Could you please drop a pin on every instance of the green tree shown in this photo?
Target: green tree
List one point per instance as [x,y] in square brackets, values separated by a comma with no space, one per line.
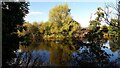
[97,22]
[60,14]
[12,15]
[62,23]
[114,22]
[97,31]
[30,34]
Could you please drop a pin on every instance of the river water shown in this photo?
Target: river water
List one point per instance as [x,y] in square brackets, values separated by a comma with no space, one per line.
[67,54]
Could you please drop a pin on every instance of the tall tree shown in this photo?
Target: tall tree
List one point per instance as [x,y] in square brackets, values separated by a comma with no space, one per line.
[13,14]
[60,14]
[63,25]
[113,20]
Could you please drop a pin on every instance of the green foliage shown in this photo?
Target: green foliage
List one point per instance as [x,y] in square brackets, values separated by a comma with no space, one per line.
[62,23]
[60,14]
[94,24]
[111,32]
[98,32]
[59,27]
[12,16]
[31,34]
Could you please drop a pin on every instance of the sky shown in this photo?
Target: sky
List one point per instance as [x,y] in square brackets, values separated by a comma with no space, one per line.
[80,11]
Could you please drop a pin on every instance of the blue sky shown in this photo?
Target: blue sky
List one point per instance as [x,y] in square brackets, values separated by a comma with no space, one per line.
[80,11]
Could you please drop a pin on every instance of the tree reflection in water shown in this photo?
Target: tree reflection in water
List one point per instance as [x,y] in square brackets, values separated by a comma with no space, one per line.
[65,54]
[94,55]
[31,59]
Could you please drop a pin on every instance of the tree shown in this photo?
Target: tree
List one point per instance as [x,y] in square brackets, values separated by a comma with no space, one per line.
[113,20]
[110,18]
[59,28]
[13,14]
[60,14]
[30,33]
[97,22]
[60,24]
[97,31]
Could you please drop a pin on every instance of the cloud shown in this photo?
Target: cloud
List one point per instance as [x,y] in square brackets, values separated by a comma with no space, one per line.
[35,13]
[34,16]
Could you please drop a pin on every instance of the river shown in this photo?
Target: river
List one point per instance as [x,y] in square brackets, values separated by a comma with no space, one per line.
[67,54]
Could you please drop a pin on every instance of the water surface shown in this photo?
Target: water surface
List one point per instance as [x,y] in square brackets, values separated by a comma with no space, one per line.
[67,54]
